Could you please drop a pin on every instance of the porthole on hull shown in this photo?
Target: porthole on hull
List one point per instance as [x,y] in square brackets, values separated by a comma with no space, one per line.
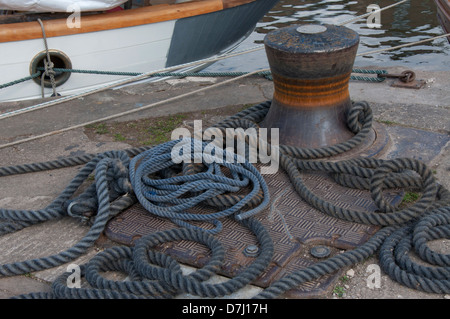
[60,60]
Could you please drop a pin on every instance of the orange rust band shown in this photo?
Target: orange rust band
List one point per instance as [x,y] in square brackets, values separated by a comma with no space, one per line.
[311,93]
[114,20]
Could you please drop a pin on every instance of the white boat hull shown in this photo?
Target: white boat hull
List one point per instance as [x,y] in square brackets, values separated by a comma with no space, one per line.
[135,49]
[139,48]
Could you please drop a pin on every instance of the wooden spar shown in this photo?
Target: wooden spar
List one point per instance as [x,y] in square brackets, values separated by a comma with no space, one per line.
[114,20]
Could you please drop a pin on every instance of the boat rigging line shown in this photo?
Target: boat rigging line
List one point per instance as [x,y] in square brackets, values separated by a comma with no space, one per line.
[107,118]
[127,81]
[143,76]
[48,64]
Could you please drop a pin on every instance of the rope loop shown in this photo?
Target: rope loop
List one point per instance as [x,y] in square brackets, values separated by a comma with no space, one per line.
[120,258]
[356,116]
[170,179]
[395,251]
[155,265]
[107,167]
[224,172]
[377,182]
[194,283]
[153,274]
[432,227]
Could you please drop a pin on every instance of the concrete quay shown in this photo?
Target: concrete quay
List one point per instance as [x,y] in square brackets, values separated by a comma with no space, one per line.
[425,111]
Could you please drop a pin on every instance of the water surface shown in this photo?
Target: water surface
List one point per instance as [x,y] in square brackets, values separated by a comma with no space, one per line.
[409,22]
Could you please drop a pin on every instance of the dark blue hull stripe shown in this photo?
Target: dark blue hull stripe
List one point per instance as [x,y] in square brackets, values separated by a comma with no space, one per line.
[200,37]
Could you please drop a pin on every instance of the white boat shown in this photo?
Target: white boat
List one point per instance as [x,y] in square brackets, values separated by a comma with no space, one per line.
[113,35]
[59,5]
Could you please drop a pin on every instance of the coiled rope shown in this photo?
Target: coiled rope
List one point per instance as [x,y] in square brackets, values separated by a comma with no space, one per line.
[374,175]
[111,184]
[111,193]
[162,274]
[395,261]
[164,196]
[402,229]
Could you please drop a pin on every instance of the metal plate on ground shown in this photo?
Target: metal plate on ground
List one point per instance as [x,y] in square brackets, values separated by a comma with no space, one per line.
[416,84]
[414,143]
[295,227]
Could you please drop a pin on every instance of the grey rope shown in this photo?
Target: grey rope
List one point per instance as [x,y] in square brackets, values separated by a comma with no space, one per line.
[48,64]
[158,74]
[267,74]
[33,76]
[162,274]
[60,163]
[374,175]
[371,174]
[164,196]
[111,170]
[394,259]
[403,229]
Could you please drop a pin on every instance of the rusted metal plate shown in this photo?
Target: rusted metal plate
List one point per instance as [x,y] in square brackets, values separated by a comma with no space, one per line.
[294,226]
[416,84]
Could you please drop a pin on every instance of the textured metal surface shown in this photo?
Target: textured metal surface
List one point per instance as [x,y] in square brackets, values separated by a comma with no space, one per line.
[311,67]
[294,226]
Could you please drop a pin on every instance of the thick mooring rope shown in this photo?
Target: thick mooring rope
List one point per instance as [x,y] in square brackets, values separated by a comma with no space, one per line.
[111,182]
[162,274]
[402,229]
[164,196]
[374,175]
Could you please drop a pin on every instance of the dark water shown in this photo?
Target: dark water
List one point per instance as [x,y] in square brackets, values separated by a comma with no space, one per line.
[409,22]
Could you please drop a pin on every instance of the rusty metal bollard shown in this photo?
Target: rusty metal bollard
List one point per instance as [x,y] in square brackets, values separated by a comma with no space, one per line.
[311,67]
